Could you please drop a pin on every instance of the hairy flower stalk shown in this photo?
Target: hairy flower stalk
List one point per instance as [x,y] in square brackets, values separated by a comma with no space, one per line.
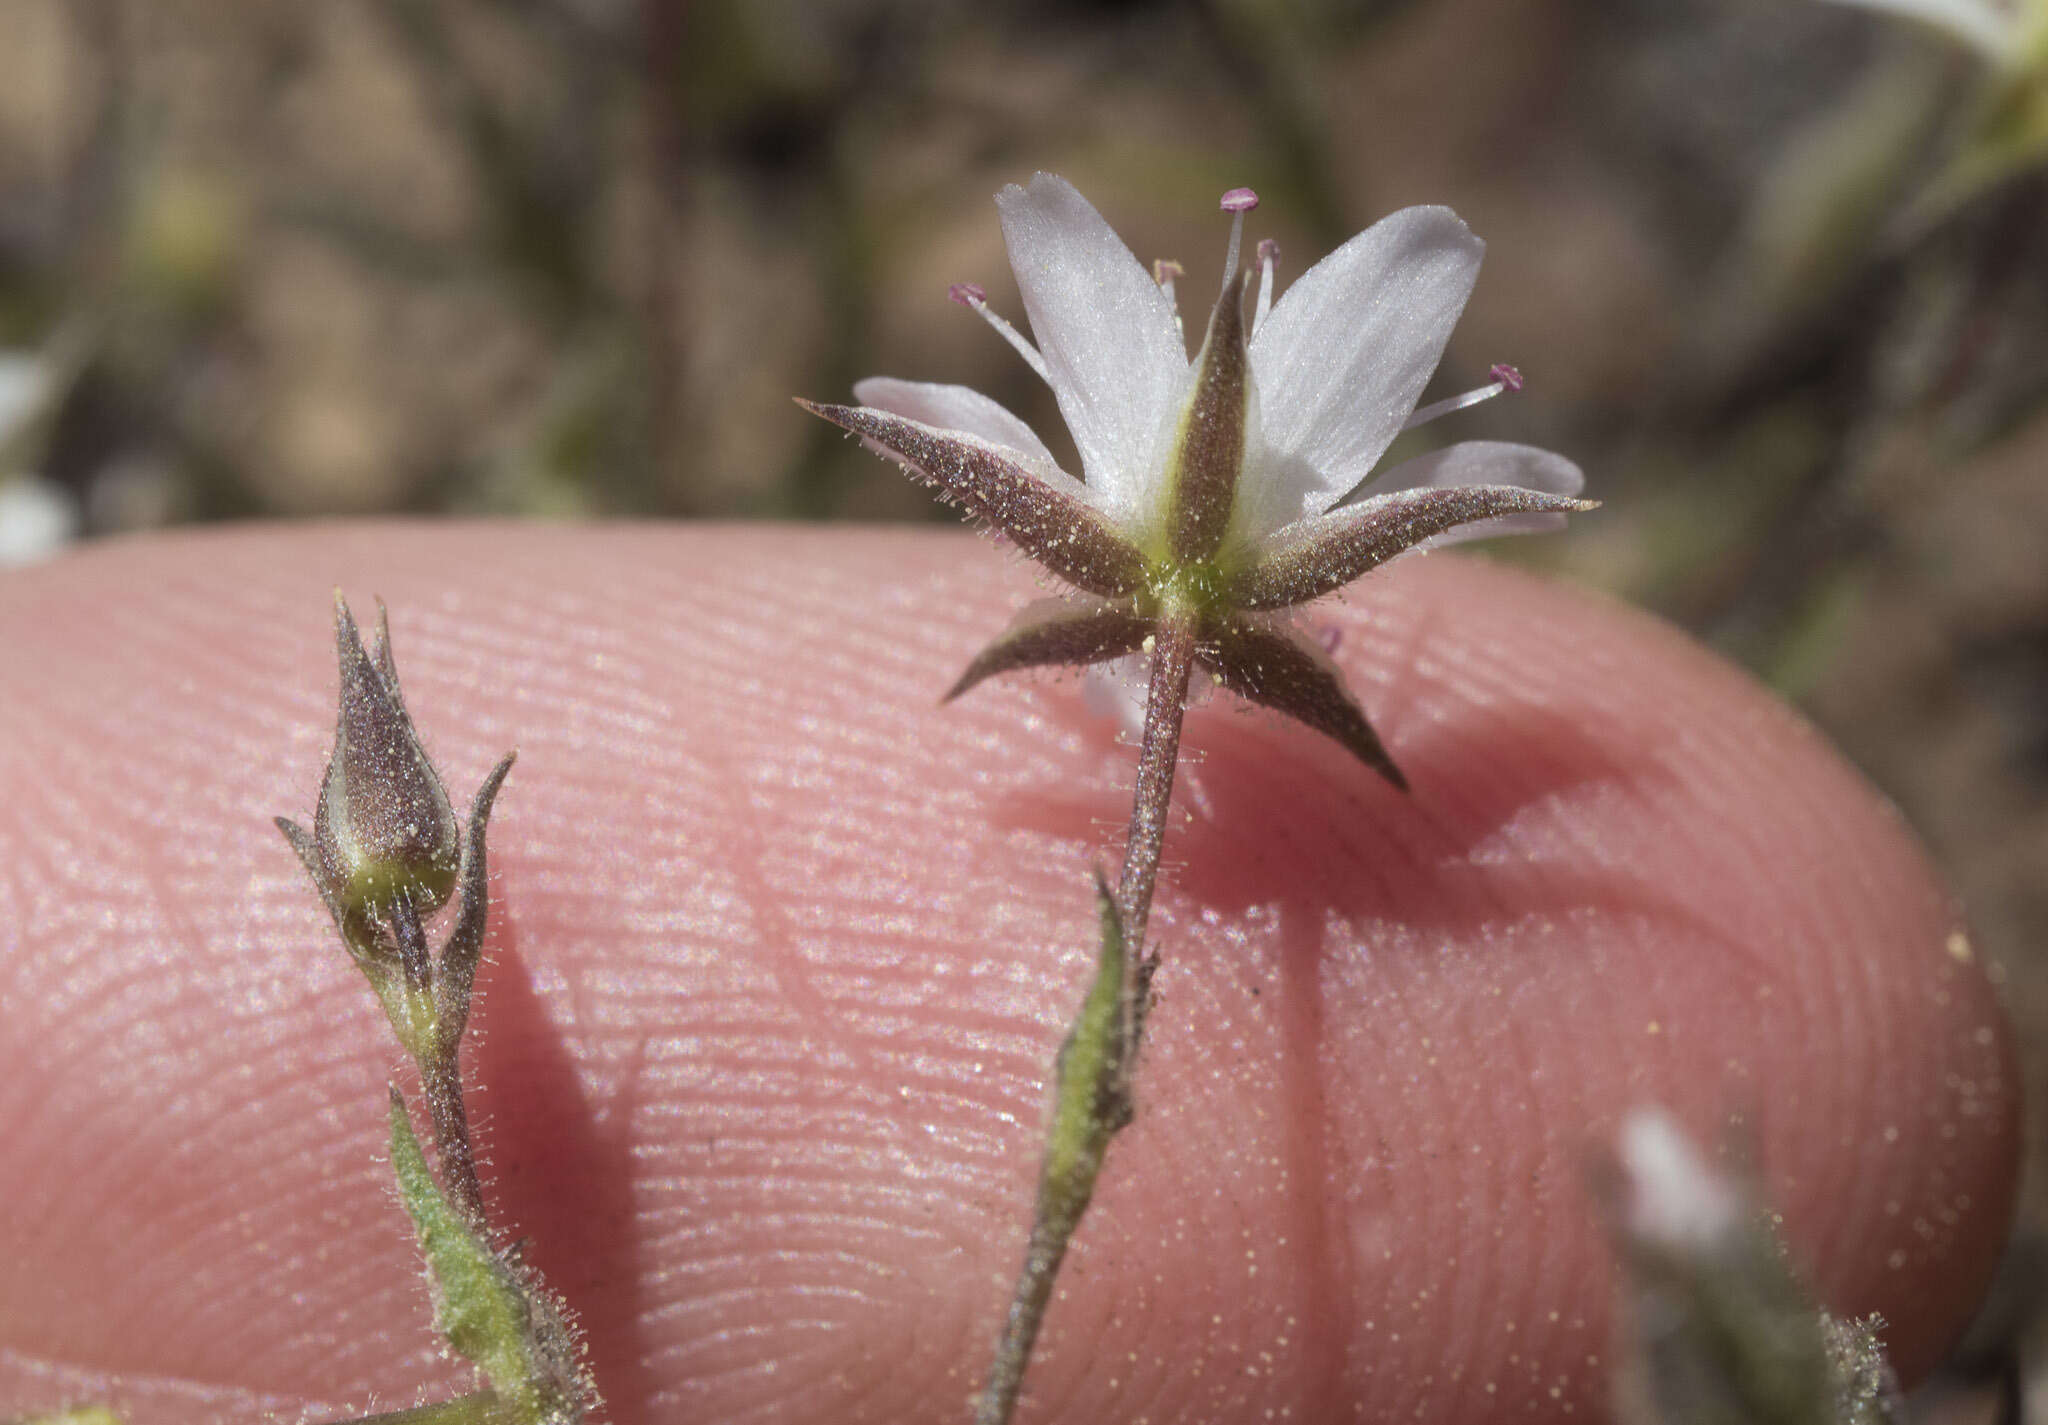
[1173,657]
[1219,494]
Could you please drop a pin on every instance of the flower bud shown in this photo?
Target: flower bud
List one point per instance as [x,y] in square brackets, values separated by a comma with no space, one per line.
[384,829]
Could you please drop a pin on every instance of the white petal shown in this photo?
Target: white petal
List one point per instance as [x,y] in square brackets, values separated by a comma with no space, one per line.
[1106,330]
[1986,28]
[955,408]
[963,410]
[1487,462]
[1345,353]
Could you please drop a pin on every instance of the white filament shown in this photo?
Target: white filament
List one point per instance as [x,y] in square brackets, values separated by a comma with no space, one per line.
[1014,337]
[1430,412]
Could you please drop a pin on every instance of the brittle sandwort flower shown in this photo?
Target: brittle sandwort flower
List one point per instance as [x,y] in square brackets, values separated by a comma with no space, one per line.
[1215,491]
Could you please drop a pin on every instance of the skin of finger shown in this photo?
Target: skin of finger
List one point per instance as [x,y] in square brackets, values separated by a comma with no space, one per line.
[782,948]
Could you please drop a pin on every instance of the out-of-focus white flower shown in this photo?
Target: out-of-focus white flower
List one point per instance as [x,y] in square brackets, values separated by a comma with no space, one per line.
[38,517]
[1714,1327]
[1675,1201]
[2007,33]
[2007,131]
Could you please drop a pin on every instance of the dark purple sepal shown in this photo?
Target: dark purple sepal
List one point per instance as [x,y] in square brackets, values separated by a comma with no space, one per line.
[1063,632]
[1209,454]
[1319,555]
[1059,530]
[465,945]
[380,654]
[1274,667]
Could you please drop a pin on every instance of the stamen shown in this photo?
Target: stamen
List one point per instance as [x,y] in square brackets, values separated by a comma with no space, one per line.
[1164,271]
[971,294]
[1269,259]
[1505,378]
[1237,202]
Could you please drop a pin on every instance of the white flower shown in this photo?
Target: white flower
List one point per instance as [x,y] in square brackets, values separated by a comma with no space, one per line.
[1713,1325]
[1674,1200]
[1214,491]
[37,516]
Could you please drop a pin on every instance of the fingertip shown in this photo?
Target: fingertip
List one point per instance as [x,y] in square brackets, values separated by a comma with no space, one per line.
[785,949]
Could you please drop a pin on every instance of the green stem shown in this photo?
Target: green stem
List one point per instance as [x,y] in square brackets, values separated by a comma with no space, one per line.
[1091,1105]
[1033,1293]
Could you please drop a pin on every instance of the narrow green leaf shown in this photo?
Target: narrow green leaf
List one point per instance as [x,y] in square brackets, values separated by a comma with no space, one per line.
[479,1305]
[1091,1099]
[482,1408]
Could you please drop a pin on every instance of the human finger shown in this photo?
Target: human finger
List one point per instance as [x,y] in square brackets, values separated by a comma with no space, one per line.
[782,950]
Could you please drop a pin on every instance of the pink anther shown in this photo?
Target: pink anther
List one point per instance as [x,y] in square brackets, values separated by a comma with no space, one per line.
[1240,200]
[1269,250]
[1509,378]
[967,294]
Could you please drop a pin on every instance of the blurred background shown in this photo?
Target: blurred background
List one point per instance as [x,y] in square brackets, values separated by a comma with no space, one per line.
[1776,272]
